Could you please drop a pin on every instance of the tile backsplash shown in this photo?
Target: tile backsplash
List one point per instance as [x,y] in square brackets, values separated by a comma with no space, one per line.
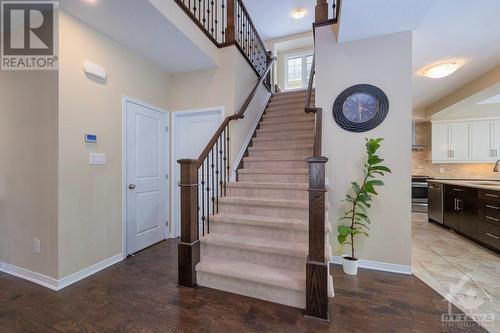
[422,161]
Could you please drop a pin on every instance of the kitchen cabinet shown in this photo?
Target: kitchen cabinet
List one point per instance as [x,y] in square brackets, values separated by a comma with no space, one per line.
[467,141]
[440,142]
[460,212]
[473,212]
[481,140]
[450,141]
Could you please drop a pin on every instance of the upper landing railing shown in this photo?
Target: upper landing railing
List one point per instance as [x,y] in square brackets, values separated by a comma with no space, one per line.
[227,22]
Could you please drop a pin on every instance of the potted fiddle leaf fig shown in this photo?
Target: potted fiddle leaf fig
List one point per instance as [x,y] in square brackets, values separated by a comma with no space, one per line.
[355,221]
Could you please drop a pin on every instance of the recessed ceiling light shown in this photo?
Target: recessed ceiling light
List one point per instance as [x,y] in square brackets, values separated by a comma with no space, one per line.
[92,2]
[441,70]
[298,13]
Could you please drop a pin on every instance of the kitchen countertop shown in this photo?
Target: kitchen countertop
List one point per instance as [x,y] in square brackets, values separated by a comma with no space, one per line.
[476,183]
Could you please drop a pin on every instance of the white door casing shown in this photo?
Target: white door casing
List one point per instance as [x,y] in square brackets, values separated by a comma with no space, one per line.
[146,183]
[191,132]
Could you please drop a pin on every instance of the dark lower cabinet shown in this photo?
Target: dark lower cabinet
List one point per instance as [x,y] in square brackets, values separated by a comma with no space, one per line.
[474,213]
[468,216]
[450,215]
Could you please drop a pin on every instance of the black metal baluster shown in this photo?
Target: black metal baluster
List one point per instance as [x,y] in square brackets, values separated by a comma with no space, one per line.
[194,8]
[217,175]
[203,197]
[216,20]
[221,138]
[334,13]
[228,155]
[225,160]
[208,192]
[223,26]
[213,186]
[212,29]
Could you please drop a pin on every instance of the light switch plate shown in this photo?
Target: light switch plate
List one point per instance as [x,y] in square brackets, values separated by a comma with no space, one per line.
[97,158]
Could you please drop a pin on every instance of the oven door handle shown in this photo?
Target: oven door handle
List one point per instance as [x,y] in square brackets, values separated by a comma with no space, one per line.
[420,185]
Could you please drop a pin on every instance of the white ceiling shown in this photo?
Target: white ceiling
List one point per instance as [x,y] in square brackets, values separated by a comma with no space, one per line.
[272,17]
[140,27]
[492,100]
[443,30]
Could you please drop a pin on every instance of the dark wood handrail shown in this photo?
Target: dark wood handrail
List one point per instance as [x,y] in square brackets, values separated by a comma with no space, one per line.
[239,115]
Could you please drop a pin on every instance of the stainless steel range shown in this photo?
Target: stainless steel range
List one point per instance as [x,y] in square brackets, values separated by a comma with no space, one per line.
[419,194]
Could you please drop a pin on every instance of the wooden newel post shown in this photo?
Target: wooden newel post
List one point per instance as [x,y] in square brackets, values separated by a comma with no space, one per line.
[321,11]
[230,29]
[189,247]
[316,267]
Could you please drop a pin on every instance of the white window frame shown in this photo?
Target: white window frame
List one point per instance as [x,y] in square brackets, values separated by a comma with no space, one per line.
[304,56]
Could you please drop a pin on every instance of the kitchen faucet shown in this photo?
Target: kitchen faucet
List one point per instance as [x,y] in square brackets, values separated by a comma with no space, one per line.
[496,166]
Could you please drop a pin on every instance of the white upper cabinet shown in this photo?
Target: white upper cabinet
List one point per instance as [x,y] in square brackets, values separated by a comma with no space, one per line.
[466,141]
[459,141]
[440,142]
[495,139]
[481,140]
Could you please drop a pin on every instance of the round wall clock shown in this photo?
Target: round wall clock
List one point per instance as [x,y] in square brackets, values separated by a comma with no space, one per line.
[360,108]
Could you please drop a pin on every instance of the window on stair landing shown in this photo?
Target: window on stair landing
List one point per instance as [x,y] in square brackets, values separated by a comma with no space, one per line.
[298,69]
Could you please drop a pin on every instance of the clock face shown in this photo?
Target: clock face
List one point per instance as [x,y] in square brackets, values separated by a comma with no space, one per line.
[360,107]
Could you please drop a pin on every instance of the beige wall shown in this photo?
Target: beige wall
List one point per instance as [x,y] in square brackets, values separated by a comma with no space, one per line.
[385,62]
[28,169]
[90,207]
[422,161]
[227,85]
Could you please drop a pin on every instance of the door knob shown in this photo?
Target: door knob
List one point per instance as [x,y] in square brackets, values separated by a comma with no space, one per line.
[131,187]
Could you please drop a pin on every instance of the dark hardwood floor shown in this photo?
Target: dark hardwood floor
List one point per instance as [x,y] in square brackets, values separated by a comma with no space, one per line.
[140,295]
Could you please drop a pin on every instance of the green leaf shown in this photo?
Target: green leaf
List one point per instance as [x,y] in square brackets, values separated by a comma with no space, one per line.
[380,168]
[372,160]
[344,230]
[355,187]
[341,239]
[375,182]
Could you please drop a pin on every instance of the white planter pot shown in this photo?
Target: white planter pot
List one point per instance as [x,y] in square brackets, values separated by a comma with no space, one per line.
[350,266]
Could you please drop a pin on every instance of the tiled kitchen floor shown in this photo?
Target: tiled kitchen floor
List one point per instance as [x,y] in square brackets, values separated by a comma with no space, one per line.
[460,270]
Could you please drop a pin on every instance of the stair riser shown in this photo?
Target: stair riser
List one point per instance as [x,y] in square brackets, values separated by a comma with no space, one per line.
[256,257]
[306,152]
[301,95]
[282,111]
[279,143]
[274,178]
[279,165]
[287,118]
[252,289]
[291,101]
[284,133]
[268,193]
[288,235]
[283,212]
[297,125]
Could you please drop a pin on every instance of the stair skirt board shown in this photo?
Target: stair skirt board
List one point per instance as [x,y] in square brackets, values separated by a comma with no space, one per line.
[258,239]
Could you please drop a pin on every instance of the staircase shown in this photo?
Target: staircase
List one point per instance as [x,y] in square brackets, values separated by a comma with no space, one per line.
[258,240]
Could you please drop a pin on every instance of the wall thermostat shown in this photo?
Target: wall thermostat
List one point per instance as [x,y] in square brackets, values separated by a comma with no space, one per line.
[92,138]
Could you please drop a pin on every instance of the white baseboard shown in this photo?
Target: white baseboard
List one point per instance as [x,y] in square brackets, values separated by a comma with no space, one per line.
[25,274]
[377,265]
[56,284]
[249,137]
[86,272]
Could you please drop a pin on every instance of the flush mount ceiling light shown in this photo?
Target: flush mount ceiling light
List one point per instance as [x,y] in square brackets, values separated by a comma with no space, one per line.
[441,70]
[298,13]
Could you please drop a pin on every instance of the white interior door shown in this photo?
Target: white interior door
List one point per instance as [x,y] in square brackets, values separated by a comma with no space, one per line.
[192,131]
[147,184]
